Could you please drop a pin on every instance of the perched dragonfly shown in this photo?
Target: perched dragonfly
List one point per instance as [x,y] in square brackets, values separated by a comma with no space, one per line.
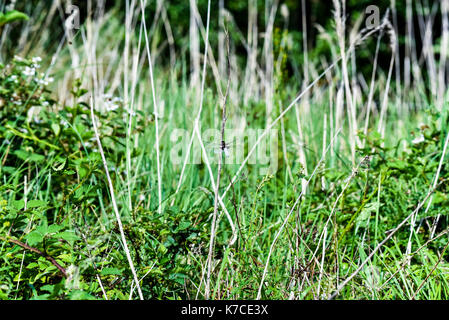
[222,146]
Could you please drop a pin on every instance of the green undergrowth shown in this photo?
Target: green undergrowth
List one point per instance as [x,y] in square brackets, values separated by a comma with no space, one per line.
[55,210]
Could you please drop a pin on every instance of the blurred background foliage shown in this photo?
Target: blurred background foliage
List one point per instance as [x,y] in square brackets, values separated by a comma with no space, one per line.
[318,13]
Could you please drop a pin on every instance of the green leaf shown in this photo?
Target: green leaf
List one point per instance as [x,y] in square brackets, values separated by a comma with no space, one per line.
[32,265]
[34,237]
[41,297]
[36,204]
[67,236]
[21,154]
[59,164]
[48,288]
[397,164]
[178,277]
[162,249]
[110,271]
[364,216]
[18,204]
[56,128]
[36,157]
[12,16]
[54,228]
[183,225]
[80,295]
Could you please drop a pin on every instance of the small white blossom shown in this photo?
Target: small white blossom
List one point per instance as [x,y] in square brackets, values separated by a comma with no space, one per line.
[29,72]
[14,78]
[284,11]
[17,58]
[111,103]
[132,113]
[111,107]
[36,60]
[45,81]
[418,140]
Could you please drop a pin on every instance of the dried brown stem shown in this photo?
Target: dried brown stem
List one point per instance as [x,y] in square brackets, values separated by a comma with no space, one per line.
[42,254]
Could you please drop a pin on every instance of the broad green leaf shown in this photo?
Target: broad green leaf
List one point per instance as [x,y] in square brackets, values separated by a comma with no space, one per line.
[59,164]
[80,295]
[36,157]
[364,216]
[183,225]
[67,236]
[32,265]
[12,16]
[110,271]
[34,237]
[48,288]
[18,204]
[397,164]
[56,128]
[36,204]
[54,228]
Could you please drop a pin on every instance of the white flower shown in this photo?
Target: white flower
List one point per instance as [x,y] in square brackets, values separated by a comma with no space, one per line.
[418,140]
[36,60]
[45,81]
[111,107]
[132,113]
[14,78]
[17,58]
[284,11]
[117,100]
[33,114]
[111,103]
[29,72]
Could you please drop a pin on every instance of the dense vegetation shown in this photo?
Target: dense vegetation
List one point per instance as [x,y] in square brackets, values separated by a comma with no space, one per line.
[91,197]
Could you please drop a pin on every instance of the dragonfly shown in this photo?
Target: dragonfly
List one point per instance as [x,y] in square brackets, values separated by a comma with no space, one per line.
[219,147]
